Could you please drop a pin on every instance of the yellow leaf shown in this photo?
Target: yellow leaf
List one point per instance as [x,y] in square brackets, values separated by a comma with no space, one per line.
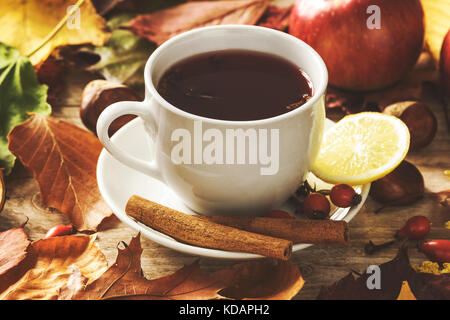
[437,24]
[51,264]
[405,292]
[25,24]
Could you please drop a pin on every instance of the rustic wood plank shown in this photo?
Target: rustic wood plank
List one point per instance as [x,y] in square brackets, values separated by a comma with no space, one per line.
[320,265]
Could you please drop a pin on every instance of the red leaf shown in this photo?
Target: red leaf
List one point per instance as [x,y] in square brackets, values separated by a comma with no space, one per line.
[63,159]
[124,281]
[162,25]
[13,250]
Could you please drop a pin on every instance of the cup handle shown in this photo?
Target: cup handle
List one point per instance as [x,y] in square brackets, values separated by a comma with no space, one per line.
[113,112]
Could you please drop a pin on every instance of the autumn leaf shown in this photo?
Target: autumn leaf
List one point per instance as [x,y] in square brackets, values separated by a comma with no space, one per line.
[355,288]
[124,281]
[63,159]
[392,275]
[262,280]
[405,292]
[143,6]
[105,6]
[162,25]
[426,286]
[341,102]
[276,18]
[50,72]
[123,59]
[437,24]
[26,24]
[410,87]
[52,262]
[13,250]
[442,197]
[20,92]
[2,190]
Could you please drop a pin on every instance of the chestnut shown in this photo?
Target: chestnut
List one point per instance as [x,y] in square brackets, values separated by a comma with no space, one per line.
[98,95]
[419,119]
[444,66]
[403,186]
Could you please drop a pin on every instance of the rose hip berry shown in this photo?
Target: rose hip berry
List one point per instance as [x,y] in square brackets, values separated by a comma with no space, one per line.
[437,250]
[415,228]
[316,206]
[344,196]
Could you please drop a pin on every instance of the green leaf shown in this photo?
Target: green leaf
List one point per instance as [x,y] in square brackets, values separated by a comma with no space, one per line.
[123,59]
[20,92]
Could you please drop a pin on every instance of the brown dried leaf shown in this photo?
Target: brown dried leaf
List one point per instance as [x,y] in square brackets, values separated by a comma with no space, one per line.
[105,6]
[51,264]
[13,250]
[124,280]
[343,102]
[426,286]
[262,280]
[393,274]
[276,18]
[164,24]
[2,190]
[410,87]
[63,159]
[50,72]
[442,197]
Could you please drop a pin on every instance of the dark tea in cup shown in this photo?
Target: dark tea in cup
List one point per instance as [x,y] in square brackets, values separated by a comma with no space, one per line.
[237,85]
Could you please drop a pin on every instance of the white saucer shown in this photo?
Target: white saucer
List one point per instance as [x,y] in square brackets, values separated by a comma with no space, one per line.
[118,183]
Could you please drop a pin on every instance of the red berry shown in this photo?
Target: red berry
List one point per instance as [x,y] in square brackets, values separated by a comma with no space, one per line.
[316,206]
[280,214]
[415,228]
[344,196]
[437,250]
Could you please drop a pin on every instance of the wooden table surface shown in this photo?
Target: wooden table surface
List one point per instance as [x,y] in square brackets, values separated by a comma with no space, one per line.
[320,265]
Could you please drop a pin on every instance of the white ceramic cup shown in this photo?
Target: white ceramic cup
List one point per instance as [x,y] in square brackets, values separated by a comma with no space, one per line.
[231,189]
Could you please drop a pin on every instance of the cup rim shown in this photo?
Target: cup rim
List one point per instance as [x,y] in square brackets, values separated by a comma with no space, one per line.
[318,92]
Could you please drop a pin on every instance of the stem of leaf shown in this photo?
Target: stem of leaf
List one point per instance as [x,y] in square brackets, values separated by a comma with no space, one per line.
[56,28]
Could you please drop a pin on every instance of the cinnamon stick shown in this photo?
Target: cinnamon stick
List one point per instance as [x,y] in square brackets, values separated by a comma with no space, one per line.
[200,232]
[295,230]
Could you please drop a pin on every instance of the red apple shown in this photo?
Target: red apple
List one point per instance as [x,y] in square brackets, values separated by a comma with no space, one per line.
[366,44]
[445,66]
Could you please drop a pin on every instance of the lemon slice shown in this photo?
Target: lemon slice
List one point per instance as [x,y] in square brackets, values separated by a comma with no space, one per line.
[361,148]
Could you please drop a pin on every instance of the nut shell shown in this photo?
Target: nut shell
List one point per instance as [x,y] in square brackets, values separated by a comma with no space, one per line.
[419,119]
[100,94]
[405,185]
